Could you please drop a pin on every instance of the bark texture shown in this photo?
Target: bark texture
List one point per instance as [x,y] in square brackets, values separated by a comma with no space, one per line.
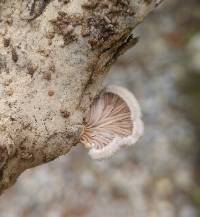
[53,58]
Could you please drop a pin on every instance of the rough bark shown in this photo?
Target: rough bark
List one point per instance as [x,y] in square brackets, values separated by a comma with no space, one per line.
[53,58]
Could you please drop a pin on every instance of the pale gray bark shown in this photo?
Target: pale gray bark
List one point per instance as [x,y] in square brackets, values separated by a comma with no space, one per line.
[53,58]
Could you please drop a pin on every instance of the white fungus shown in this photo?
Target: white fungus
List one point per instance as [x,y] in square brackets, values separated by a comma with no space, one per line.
[113,121]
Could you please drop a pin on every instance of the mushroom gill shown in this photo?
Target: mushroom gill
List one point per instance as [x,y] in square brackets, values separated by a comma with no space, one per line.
[113,121]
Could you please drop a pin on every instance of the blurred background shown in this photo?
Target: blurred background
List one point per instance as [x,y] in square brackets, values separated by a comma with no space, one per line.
[160,176]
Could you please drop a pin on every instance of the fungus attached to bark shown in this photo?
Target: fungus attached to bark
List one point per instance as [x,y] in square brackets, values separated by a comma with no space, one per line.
[113,121]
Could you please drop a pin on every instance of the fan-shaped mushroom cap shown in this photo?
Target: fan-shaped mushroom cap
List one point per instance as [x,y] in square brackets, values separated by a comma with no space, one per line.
[114,120]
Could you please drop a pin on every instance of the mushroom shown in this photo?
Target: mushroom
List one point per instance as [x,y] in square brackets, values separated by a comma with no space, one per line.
[113,121]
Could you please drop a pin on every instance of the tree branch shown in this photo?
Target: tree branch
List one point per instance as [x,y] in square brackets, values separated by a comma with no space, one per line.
[53,58]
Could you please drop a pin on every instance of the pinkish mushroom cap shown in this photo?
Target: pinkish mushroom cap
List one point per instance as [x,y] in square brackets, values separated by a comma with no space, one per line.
[113,121]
